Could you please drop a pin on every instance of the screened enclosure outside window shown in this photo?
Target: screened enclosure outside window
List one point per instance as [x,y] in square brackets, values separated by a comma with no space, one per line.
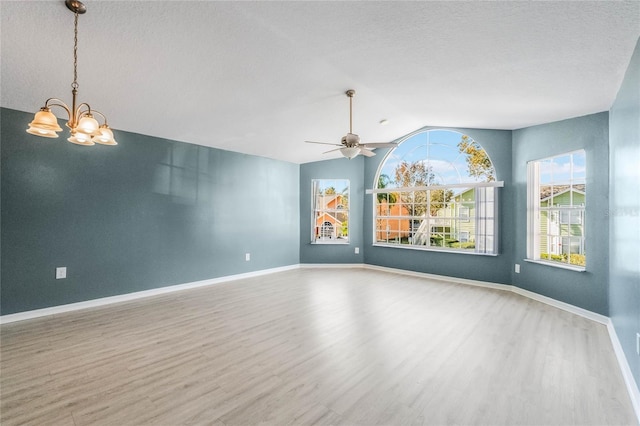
[437,191]
[330,211]
[556,191]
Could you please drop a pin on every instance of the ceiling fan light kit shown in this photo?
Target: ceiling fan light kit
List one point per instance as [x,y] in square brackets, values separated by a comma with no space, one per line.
[350,145]
[350,152]
[85,129]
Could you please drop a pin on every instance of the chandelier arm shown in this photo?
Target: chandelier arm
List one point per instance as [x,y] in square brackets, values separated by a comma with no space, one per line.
[58,103]
[93,111]
[79,114]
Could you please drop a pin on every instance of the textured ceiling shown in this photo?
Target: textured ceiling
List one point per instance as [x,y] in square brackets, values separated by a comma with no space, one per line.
[262,77]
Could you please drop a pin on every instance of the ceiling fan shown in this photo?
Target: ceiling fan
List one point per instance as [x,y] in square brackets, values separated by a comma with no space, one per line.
[350,145]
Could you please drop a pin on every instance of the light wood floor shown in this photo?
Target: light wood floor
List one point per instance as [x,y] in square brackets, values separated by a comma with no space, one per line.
[314,346]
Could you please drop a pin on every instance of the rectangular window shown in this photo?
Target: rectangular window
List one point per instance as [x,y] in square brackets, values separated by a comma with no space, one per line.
[460,218]
[330,211]
[556,194]
[571,216]
[464,213]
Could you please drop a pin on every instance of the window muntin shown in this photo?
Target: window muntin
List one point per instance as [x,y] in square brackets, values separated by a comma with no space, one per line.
[437,191]
[556,191]
[330,211]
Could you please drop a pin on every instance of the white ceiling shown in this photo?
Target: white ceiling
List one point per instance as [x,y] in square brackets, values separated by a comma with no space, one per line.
[262,77]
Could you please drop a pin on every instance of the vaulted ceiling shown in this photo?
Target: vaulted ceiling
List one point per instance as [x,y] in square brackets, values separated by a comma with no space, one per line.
[263,77]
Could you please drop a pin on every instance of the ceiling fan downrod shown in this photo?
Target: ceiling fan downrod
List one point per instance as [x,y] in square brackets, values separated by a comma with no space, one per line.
[350,94]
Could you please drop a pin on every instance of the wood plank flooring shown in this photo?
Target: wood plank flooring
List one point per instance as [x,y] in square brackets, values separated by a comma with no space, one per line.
[314,346]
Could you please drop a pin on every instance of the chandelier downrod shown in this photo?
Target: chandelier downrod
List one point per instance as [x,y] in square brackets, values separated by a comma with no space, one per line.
[85,130]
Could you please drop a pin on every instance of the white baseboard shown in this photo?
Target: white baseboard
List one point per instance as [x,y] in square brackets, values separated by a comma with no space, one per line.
[485,284]
[332,265]
[562,305]
[21,316]
[632,386]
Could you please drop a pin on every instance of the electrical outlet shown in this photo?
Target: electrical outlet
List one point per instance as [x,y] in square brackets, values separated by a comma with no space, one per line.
[247,256]
[517,268]
[61,272]
[357,250]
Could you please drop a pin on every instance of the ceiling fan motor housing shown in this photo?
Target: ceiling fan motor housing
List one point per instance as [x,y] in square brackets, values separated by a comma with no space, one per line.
[350,139]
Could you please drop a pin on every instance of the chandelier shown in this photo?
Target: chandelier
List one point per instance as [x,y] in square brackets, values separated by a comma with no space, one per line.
[85,130]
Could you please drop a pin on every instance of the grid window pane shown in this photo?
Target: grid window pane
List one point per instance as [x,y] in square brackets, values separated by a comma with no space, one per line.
[557,194]
[422,187]
[446,223]
[330,211]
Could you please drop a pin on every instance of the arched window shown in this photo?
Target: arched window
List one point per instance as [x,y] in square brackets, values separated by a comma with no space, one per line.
[436,191]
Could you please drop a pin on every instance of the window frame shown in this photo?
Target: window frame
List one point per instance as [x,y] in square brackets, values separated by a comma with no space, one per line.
[431,222]
[535,211]
[467,220]
[318,231]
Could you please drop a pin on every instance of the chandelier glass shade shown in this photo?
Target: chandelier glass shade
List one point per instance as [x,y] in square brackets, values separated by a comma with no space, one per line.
[85,129]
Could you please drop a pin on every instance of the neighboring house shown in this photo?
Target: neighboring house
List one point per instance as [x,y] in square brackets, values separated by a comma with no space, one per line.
[462,213]
[455,222]
[443,225]
[393,227]
[558,226]
[466,212]
[330,222]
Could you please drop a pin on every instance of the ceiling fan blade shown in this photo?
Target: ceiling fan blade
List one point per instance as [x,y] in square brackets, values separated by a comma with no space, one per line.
[366,152]
[324,143]
[332,150]
[379,144]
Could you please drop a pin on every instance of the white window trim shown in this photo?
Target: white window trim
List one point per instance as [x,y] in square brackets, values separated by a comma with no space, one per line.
[498,184]
[437,249]
[533,199]
[342,210]
[496,212]
[558,265]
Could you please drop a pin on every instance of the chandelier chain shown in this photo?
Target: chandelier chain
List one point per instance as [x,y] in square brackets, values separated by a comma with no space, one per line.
[75,85]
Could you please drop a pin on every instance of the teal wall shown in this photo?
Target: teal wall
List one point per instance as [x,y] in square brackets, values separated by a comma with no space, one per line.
[147,213]
[587,289]
[341,168]
[496,269]
[624,213]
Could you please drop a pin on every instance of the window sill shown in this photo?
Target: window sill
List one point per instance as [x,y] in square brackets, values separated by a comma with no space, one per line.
[436,249]
[558,265]
[330,242]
